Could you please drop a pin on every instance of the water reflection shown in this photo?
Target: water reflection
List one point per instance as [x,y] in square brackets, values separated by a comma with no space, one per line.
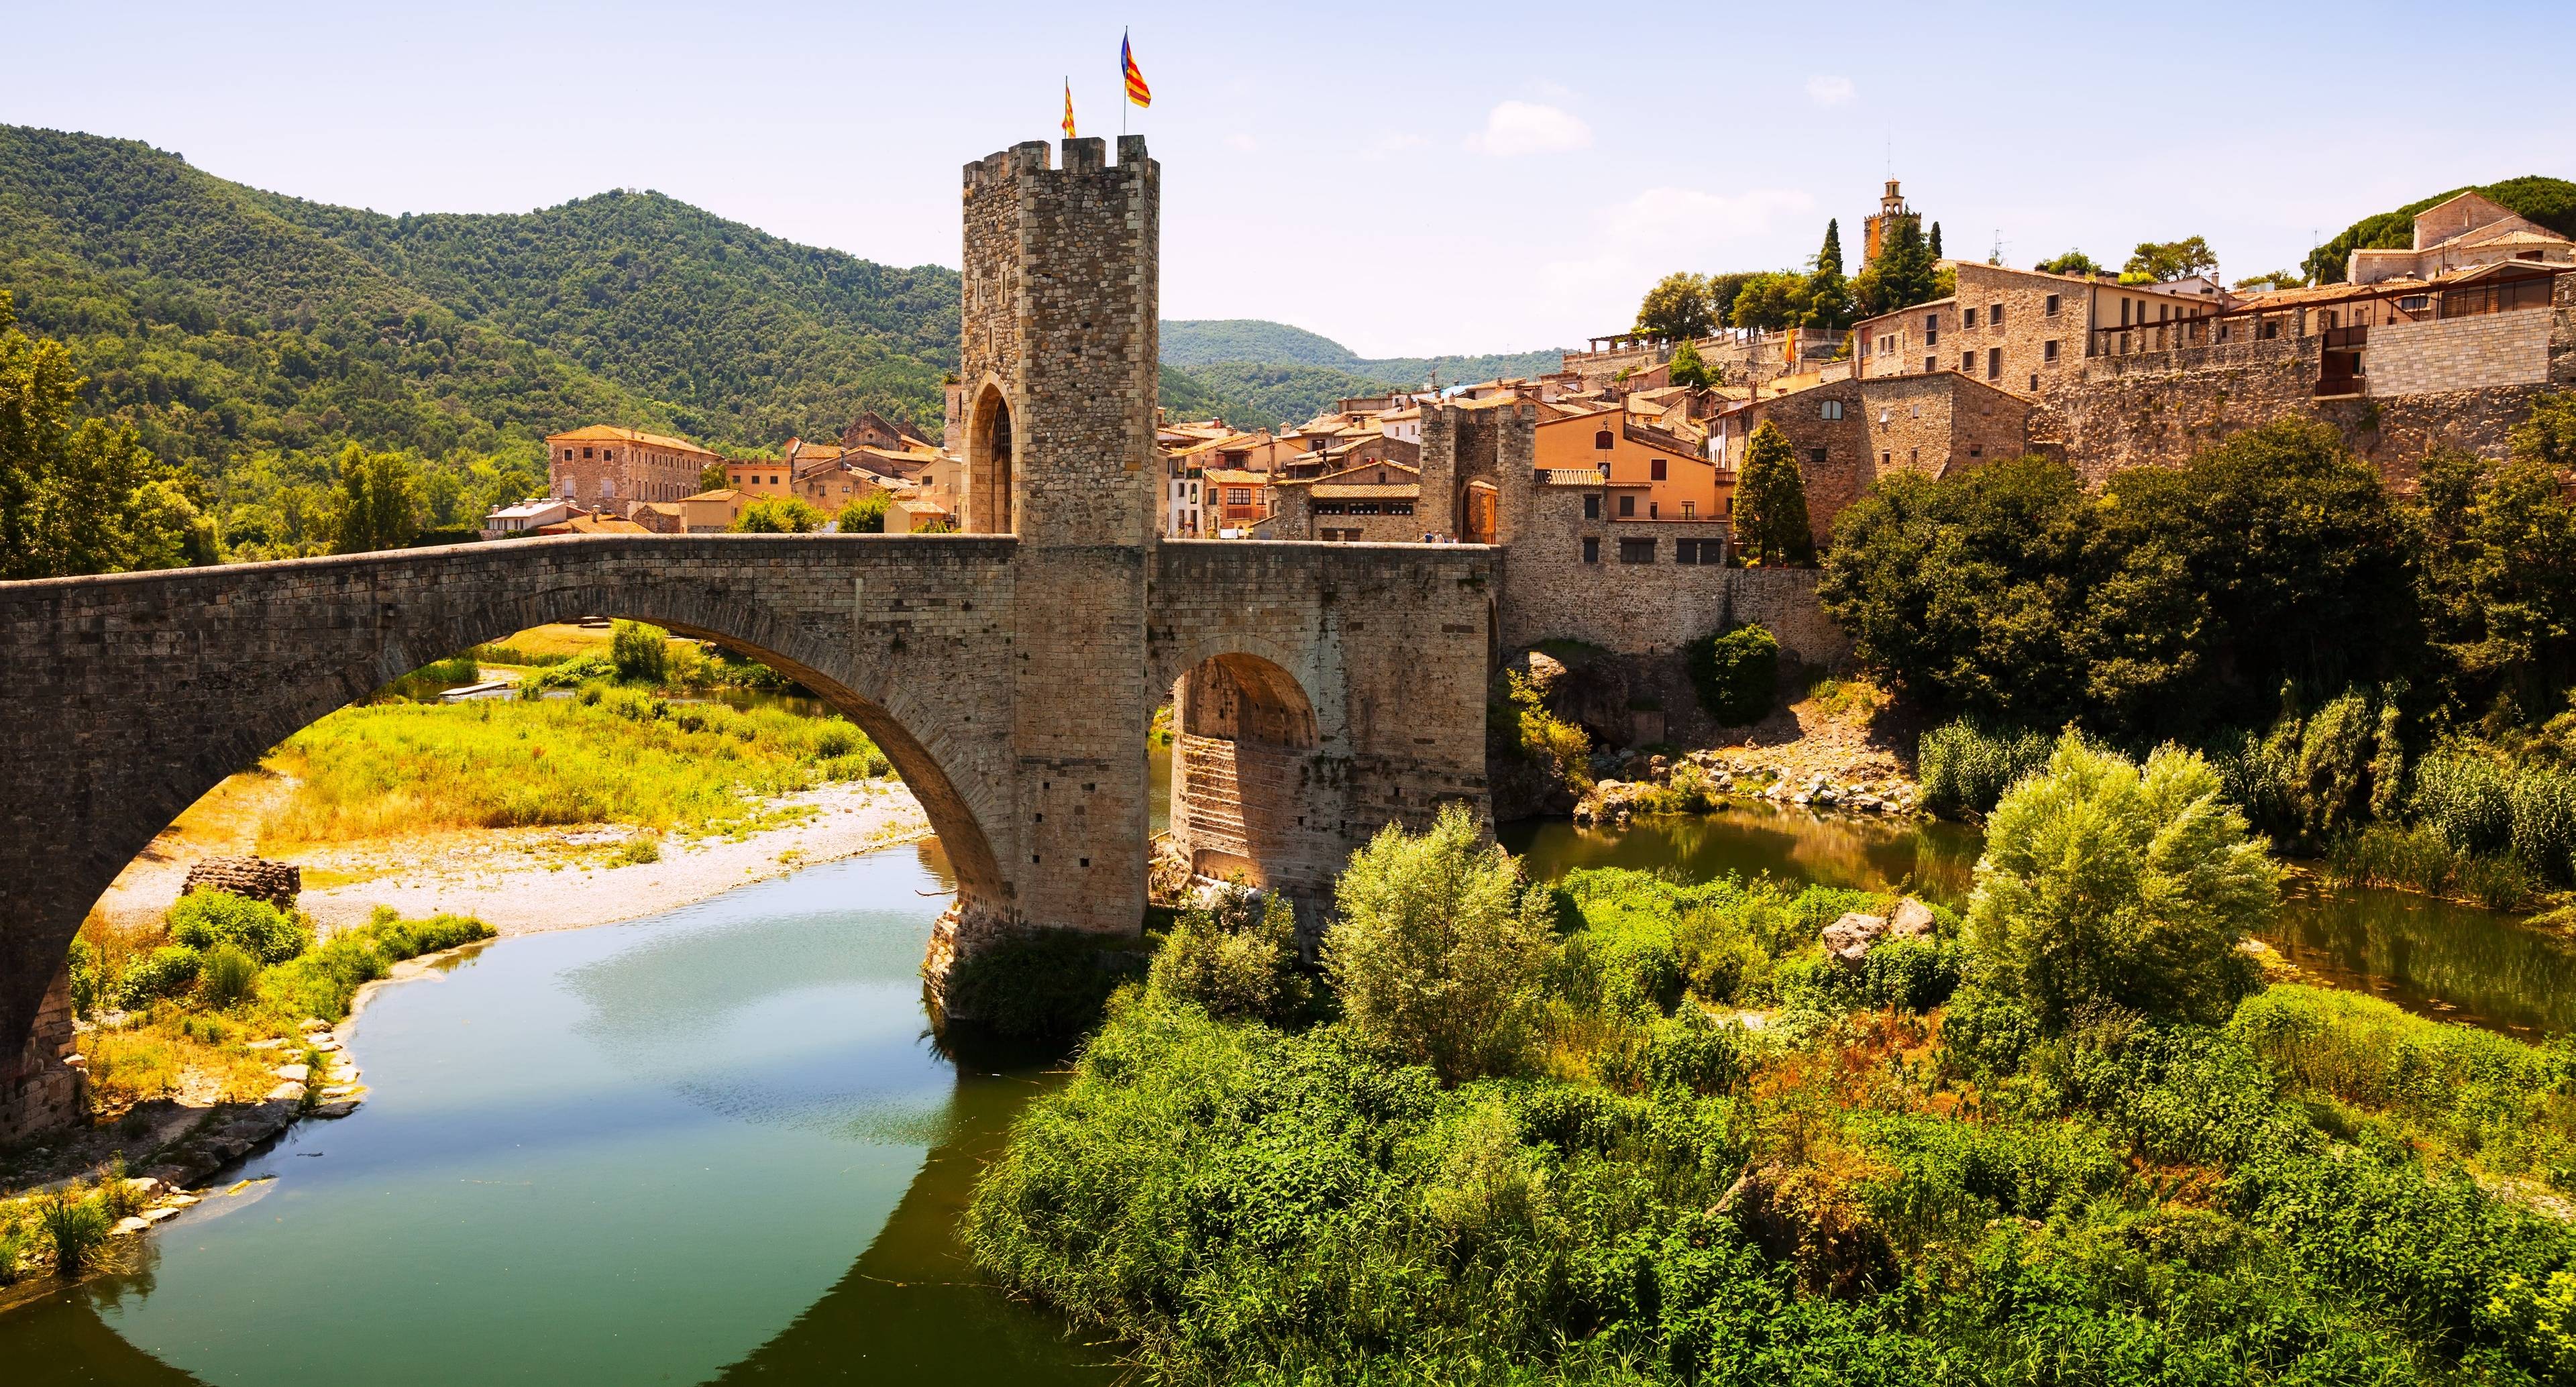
[2436,958]
[714,1143]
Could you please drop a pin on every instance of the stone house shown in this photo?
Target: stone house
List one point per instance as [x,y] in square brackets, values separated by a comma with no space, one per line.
[614,468]
[871,430]
[1234,499]
[2017,329]
[2465,232]
[1847,434]
[524,517]
[759,477]
[711,512]
[1653,474]
[1373,503]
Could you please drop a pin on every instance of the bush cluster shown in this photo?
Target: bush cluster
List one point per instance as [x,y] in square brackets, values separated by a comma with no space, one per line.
[1737,674]
[1964,767]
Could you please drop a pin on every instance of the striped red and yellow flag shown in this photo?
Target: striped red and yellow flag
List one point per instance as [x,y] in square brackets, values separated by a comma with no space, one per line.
[1137,91]
[1068,108]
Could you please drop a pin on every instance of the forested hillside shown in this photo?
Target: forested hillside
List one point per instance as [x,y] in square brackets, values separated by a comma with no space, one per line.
[250,338]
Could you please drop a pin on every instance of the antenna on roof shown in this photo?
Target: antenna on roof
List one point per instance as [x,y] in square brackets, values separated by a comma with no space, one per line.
[1996,256]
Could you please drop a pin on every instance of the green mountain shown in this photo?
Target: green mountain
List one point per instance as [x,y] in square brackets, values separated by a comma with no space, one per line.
[1270,371]
[2548,201]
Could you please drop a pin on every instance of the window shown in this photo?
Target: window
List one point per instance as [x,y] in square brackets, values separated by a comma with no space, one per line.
[1885,458]
[1994,315]
[1994,363]
[1591,507]
[2051,308]
[1591,551]
[567,455]
[1967,317]
[1689,509]
[1636,551]
[1976,450]
[2415,303]
[1238,496]
[1931,328]
[2048,351]
[1930,365]
[1627,506]
[1968,362]
[1686,551]
[1830,409]
[2034,382]
[585,453]
[2124,312]
[1816,457]
[1655,470]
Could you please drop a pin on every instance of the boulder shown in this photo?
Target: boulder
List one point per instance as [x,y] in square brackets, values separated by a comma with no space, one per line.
[1585,689]
[1913,920]
[293,1073]
[339,1109]
[131,1225]
[289,1091]
[1848,939]
[156,1215]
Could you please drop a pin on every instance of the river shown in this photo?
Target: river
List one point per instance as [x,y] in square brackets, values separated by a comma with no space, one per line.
[710,1145]
[719,1144]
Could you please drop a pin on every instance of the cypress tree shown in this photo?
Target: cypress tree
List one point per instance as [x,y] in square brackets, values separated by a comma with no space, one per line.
[1936,240]
[1831,257]
[1771,503]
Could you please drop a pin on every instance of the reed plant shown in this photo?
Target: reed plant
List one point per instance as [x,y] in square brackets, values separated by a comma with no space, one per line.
[1964,767]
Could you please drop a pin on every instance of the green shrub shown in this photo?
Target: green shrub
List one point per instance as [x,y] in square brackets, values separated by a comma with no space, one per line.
[1964,768]
[864,515]
[226,976]
[165,972]
[2467,798]
[639,653]
[202,920]
[1438,948]
[778,515]
[1737,674]
[2107,883]
[2544,822]
[1235,959]
[1911,974]
[82,967]
[1693,1050]
[73,1227]
[1042,985]
[323,980]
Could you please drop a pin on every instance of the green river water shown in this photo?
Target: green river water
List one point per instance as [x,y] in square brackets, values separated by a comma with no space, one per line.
[720,1145]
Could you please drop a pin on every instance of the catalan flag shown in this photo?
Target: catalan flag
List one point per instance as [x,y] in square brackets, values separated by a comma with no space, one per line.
[1068,108]
[1137,91]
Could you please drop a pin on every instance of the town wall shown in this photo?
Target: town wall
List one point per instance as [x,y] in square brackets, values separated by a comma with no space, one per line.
[2445,354]
[2159,408]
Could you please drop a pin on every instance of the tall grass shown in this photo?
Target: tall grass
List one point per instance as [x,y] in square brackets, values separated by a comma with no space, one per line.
[614,756]
[2482,806]
[1964,767]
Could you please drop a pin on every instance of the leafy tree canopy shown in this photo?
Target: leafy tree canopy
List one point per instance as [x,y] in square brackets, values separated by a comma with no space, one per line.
[1678,306]
[1771,525]
[2073,262]
[2155,262]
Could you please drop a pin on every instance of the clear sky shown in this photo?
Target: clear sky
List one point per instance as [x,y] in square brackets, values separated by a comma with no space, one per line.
[1406,180]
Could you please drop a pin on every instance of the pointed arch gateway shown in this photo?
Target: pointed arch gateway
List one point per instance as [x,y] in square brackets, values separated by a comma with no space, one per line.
[992,454]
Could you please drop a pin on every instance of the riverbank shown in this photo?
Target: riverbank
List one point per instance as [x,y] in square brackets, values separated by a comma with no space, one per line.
[517,880]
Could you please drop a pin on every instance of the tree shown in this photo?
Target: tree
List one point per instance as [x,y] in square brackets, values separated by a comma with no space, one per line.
[378,505]
[2548,437]
[1771,502]
[1722,289]
[2499,579]
[641,654]
[1831,256]
[1678,306]
[2274,279]
[1736,673]
[2155,262]
[2105,884]
[712,477]
[1687,368]
[1773,301]
[777,515]
[80,495]
[2073,262]
[866,515]
[1438,949]
[1902,276]
[1935,243]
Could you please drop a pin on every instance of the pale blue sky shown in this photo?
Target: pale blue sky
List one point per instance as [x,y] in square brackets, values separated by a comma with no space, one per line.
[1404,179]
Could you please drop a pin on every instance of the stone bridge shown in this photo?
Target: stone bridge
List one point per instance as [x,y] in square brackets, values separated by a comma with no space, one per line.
[1010,673]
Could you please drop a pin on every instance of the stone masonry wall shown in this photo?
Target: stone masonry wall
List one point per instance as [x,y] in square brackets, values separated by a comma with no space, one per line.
[2448,354]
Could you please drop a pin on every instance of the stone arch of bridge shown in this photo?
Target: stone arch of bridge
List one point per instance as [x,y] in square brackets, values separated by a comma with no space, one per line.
[1248,763]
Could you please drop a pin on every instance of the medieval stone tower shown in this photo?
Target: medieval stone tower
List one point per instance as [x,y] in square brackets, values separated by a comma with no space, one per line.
[1057,384]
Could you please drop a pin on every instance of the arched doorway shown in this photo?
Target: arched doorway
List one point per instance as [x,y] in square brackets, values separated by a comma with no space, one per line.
[1242,772]
[990,457]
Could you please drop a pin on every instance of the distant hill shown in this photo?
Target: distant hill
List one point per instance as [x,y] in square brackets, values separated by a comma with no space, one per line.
[1274,371]
[2548,201]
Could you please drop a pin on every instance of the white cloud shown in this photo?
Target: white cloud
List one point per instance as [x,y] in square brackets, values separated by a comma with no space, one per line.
[1829,91]
[1526,127]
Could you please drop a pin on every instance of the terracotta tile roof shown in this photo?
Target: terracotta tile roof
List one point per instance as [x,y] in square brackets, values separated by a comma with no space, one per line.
[1346,491]
[722,493]
[1233,477]
[612,433]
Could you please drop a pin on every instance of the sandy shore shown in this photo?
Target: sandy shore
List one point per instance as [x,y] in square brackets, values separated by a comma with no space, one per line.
[519,881]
